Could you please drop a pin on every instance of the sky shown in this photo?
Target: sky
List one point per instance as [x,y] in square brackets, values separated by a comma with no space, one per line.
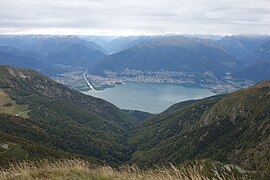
[134,17]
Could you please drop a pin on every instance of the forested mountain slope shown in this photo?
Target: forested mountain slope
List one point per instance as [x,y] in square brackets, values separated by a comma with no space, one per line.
[62,118]
[230,128]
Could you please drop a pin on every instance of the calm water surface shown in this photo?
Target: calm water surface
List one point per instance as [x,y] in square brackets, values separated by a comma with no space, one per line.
[148,97]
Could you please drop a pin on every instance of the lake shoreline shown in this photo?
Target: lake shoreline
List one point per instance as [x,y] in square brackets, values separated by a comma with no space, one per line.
[149,97]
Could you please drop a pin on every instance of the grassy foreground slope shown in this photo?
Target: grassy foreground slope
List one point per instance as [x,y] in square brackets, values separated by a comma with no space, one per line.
[77,169]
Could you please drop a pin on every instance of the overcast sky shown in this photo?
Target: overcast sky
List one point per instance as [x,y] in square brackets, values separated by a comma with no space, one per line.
[133,17]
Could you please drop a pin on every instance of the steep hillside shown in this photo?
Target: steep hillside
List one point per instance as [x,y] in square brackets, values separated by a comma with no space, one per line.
[15,148]
[232,128]
[61,118]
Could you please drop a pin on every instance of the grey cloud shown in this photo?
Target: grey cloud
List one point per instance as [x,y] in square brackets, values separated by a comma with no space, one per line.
[140,16]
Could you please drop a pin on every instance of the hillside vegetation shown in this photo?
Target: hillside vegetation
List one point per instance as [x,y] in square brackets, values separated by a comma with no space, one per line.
[14,148]
[61,118]
[43,119]
[233,129]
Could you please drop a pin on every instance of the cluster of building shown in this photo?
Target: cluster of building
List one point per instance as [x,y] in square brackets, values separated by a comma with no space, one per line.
[205,80]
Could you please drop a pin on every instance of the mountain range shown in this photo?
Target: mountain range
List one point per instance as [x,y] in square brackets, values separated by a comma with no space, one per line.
[43,53]
[229,55]
[171,54]
[242,57]
[45,44]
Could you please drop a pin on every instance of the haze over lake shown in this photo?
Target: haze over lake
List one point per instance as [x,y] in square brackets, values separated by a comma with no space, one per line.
[149,97]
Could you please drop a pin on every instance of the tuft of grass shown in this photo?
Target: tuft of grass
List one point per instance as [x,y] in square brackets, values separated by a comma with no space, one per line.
[80,169]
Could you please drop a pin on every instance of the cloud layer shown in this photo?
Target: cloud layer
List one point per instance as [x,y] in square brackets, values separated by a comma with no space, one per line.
[125,17]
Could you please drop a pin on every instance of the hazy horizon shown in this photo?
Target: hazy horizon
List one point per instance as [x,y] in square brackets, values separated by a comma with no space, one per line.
[112,36]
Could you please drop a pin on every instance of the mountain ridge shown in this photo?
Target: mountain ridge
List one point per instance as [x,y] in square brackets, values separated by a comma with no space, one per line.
[67,119]
[215,127]
[173,58]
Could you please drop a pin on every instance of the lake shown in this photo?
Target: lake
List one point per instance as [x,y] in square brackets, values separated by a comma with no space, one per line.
[153,98]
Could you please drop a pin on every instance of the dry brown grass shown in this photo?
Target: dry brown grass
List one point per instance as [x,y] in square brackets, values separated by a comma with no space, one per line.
[79,169]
